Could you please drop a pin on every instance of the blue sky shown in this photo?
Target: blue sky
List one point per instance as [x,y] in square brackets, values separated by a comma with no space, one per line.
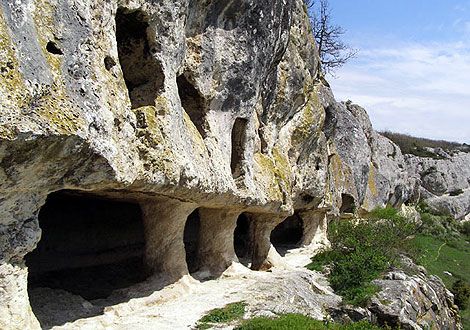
[412,72]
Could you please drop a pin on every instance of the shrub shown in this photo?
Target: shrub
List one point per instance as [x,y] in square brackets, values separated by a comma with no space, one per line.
[465,228]
[361,250]
[225,314]
[300,322]
[416,146]
[461,291]
[438,225]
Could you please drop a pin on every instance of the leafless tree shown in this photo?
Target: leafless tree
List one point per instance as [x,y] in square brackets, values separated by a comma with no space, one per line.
[334,53]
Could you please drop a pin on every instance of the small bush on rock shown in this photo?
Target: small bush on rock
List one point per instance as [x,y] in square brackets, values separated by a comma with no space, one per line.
[461,291]
[361,249]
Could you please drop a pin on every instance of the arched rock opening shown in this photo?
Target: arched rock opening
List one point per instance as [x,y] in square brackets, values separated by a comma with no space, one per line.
[348,204]
[192,102]
[191,240]
[243,239]
[238,146]
[89,247]
[142,72]
[287,234]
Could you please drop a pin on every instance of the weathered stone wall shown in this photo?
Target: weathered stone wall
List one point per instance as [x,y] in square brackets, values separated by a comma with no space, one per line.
[364,166]
[206,108]
[444,183]
[174,106]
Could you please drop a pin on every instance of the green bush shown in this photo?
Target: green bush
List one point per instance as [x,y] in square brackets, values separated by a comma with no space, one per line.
[438,225]
[225,314]
[416,146]
[299,322]
[361,250]
[465,228]
[461,291]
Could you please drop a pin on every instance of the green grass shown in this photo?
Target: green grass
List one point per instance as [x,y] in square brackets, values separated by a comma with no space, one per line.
[299,322]
[437,256]
[228,313]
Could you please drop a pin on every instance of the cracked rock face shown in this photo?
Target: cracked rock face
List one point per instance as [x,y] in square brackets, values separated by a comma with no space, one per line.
[414,302]
[366,169]
[445,183]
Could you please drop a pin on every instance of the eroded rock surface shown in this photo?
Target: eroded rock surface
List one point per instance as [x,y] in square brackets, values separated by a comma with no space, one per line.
[445,183]
[366,169]
[207,122]
[414,302]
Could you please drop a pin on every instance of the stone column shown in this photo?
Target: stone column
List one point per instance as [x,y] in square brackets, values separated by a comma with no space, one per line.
[19,234]
[216,250]
[15,310]
[164,222]
[261,228]
[315,226]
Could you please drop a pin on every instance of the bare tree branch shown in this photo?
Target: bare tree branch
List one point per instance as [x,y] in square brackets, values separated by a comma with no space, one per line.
[333,52]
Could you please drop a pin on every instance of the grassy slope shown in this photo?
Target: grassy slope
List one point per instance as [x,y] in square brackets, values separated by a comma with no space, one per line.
[438,256]
[299,322]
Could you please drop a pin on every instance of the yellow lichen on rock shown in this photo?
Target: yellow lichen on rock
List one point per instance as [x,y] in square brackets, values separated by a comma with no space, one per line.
[12,86]
[274,174]
[313,115]
[371,181]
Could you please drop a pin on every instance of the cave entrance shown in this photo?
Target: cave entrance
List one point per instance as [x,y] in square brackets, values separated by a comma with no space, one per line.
[142,72]
[89,247]
[243,239]
[288,234]
[347,204]
[191,240]
[192,102]
[238,146]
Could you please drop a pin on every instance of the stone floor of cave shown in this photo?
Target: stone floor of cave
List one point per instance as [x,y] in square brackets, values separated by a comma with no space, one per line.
[154,305]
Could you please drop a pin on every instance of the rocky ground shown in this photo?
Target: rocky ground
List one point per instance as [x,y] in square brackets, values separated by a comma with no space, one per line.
[286,288]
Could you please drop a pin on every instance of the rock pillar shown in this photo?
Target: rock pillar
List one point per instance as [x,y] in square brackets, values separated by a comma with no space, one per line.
[315,225]
[216,249]
[261,228]
[164,222]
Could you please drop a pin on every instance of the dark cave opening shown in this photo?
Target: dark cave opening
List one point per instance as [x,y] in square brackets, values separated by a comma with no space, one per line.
[192,102]
[89,246]
[348,204]
[243,239]
[191,240]
[287,234]
[142,72]
[238,146]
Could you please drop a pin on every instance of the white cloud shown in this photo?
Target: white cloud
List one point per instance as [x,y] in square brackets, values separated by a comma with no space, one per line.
[420,89]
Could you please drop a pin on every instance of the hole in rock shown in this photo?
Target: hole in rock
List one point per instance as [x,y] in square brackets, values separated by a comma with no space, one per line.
[89,247]
[347,204]
[52,48]
[109,62]
[288,234]
[192,102]
[191,240]
[142,72]
[243,239]
[238,147]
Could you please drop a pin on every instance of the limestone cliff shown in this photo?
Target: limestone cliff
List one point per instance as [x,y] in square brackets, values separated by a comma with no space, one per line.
[182,132]
[444,182]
